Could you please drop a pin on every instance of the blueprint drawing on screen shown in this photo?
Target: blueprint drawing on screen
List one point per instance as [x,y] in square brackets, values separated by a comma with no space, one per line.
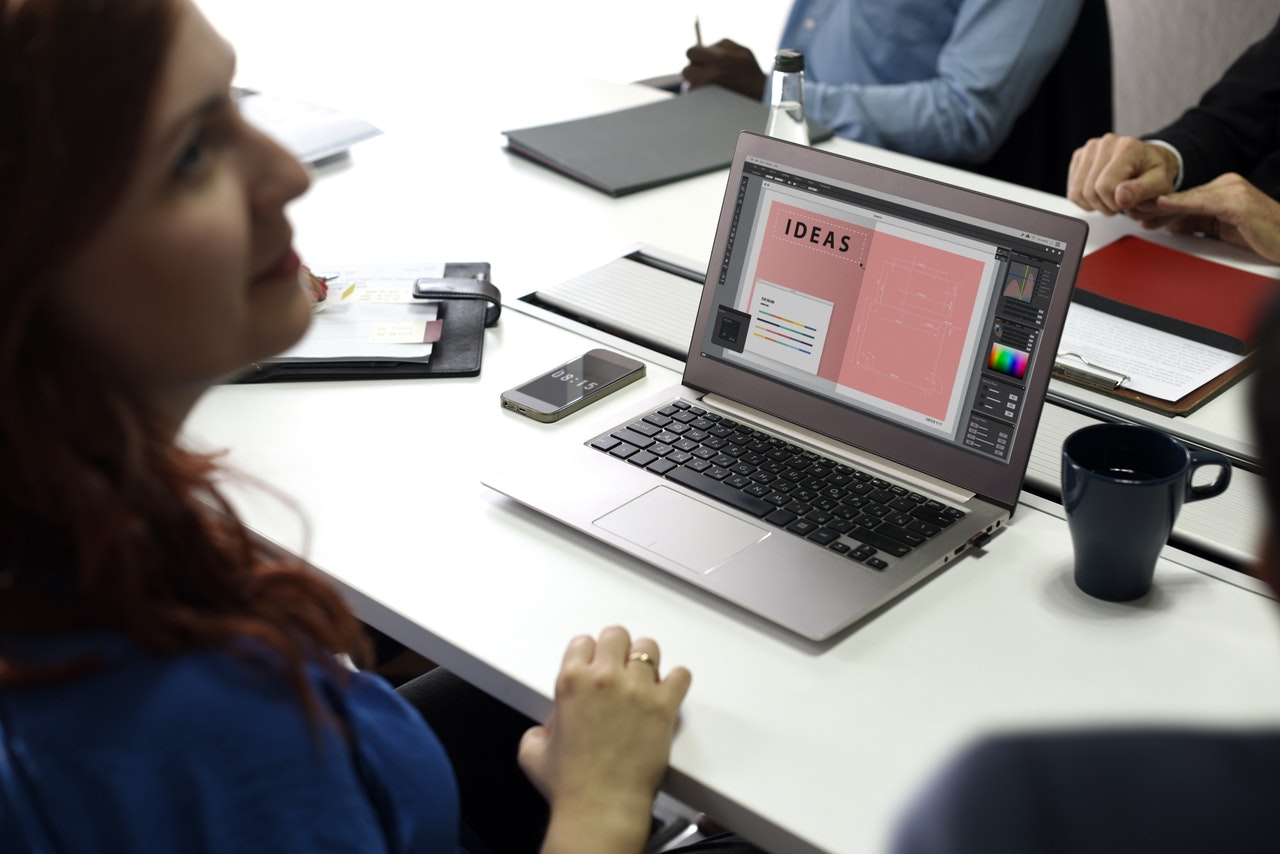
[889,312]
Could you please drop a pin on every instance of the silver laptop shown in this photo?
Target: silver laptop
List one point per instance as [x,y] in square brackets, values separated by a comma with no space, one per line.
[867,369]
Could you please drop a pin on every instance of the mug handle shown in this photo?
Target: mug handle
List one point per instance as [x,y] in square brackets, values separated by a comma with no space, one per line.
[1219,484]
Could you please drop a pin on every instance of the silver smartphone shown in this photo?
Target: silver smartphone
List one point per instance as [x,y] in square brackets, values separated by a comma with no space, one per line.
[578,382]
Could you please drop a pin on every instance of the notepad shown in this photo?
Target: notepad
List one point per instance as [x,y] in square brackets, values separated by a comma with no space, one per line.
[641,147]
[374,321]
[640,297]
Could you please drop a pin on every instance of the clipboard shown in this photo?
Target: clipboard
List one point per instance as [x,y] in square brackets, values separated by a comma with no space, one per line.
[1101,379]
[468,304]
[1174,292]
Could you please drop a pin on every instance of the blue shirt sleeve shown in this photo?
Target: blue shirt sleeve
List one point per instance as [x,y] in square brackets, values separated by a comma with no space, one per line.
[940,79]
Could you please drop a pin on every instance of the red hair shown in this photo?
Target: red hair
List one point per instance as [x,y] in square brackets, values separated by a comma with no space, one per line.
[104,522]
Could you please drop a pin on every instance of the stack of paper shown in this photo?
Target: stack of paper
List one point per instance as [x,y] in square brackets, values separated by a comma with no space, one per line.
[310,132]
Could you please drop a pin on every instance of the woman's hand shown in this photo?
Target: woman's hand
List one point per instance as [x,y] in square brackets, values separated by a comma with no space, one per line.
[600,758]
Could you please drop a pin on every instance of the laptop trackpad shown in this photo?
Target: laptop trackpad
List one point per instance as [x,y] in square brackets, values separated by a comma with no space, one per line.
[682,529]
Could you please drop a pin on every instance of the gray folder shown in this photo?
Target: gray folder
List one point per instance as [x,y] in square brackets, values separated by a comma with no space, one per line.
[647,146]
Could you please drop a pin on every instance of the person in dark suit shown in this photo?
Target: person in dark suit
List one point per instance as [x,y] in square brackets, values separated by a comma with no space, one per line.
[1216,170]
[1126,789]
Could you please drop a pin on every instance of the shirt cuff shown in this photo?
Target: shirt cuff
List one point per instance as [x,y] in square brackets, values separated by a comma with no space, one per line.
[1177,178]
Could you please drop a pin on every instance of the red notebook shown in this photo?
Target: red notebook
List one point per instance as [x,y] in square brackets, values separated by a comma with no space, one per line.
[1175,291]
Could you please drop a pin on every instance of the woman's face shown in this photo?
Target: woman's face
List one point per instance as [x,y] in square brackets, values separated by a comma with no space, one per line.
[193,275]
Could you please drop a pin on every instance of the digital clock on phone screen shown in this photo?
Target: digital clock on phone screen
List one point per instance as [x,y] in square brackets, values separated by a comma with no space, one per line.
[571,386]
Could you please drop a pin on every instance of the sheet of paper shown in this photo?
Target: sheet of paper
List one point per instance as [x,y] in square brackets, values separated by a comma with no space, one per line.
[311,132]
[334,297]
[406,332]
[1154,362]
[380,319]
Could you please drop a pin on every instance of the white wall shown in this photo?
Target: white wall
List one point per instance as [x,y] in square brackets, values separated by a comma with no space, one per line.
[1166,53]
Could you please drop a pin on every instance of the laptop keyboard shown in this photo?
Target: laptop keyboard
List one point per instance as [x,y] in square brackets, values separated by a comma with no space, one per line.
[851,512]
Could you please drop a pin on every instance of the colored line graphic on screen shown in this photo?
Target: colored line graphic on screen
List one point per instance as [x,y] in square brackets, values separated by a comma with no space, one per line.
[788,326]
[1009,361]
[1020,284]
[788,333]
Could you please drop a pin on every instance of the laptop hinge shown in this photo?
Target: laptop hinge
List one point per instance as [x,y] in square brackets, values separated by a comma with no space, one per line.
[920,480]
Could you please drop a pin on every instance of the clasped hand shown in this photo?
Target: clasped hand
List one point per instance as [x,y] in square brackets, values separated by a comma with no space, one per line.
[1121,174]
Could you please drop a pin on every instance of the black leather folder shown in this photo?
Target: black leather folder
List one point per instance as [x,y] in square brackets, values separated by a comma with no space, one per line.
[468,304]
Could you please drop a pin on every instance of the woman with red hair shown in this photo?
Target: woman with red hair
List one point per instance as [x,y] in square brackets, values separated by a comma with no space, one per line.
[164,684]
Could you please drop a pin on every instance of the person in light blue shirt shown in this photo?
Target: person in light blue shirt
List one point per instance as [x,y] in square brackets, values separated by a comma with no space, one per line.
[939,79]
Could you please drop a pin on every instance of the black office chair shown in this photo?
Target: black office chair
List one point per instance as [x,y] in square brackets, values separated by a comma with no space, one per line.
[1072,105]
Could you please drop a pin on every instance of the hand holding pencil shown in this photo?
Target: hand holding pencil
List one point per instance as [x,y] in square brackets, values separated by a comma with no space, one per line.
[725,63]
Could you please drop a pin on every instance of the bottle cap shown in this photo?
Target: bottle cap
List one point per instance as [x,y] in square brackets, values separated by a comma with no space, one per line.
[789,60]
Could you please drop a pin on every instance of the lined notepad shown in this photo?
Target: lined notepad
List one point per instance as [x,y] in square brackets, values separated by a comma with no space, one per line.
[635,298]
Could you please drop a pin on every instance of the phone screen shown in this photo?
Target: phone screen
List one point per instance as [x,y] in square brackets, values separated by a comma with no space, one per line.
[568,386]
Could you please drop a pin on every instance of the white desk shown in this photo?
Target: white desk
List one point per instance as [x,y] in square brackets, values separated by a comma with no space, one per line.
[796,746]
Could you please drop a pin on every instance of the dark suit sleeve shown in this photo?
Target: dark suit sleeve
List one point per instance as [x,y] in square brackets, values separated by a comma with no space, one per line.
[986,800]
[1236,125]
[1102,790]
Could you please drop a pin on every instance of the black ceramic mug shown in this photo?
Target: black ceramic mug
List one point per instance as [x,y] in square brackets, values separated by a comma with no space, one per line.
[1122,487]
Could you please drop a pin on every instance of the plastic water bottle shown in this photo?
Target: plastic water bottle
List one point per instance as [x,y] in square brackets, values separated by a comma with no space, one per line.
[786,111]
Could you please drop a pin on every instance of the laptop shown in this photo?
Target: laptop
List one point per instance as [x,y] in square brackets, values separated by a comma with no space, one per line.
[868,366]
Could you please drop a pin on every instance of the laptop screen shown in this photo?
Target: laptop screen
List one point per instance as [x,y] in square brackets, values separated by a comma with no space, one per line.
[892,305]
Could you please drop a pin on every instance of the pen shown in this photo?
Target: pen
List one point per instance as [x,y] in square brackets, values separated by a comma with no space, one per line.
[697,30]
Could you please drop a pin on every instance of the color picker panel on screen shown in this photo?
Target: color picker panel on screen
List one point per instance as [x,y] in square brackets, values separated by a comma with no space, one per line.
[1008,361]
